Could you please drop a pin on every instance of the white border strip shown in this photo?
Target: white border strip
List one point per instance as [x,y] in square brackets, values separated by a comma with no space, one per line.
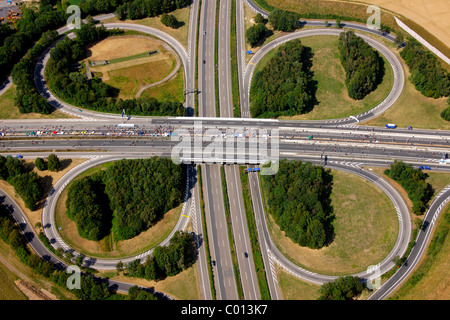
[422,41]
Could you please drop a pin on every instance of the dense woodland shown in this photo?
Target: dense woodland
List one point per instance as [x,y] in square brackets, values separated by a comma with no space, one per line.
[414,183]
[285,85]
[363,65]
[298,198]
[88,205]
[427,74]
[127,198]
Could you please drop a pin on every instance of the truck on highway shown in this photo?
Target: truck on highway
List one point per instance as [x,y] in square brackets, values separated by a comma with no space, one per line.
[125,125]
[390,126]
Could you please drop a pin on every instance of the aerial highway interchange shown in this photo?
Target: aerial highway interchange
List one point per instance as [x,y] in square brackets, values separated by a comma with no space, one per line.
[341,144]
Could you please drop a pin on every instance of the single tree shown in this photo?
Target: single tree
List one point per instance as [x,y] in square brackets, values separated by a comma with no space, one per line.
[40,164]
[53,163]
[169,21]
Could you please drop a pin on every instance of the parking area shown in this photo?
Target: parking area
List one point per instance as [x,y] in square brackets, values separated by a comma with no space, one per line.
[5,6]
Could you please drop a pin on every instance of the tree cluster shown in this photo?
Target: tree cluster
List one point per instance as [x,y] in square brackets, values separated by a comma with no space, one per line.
[127,198]
[343,288]
[168,261]
[363,65]
[427,74]
[27,98]
[52,164]
[414,183]
[88,206]
[298,198]
[9,231]
[285,86]
[67,82]
[26,184]
[284,20]
[256,34]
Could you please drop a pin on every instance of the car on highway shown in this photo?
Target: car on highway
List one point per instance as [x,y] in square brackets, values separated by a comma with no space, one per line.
[424,168]
[204,32]
[19,156]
